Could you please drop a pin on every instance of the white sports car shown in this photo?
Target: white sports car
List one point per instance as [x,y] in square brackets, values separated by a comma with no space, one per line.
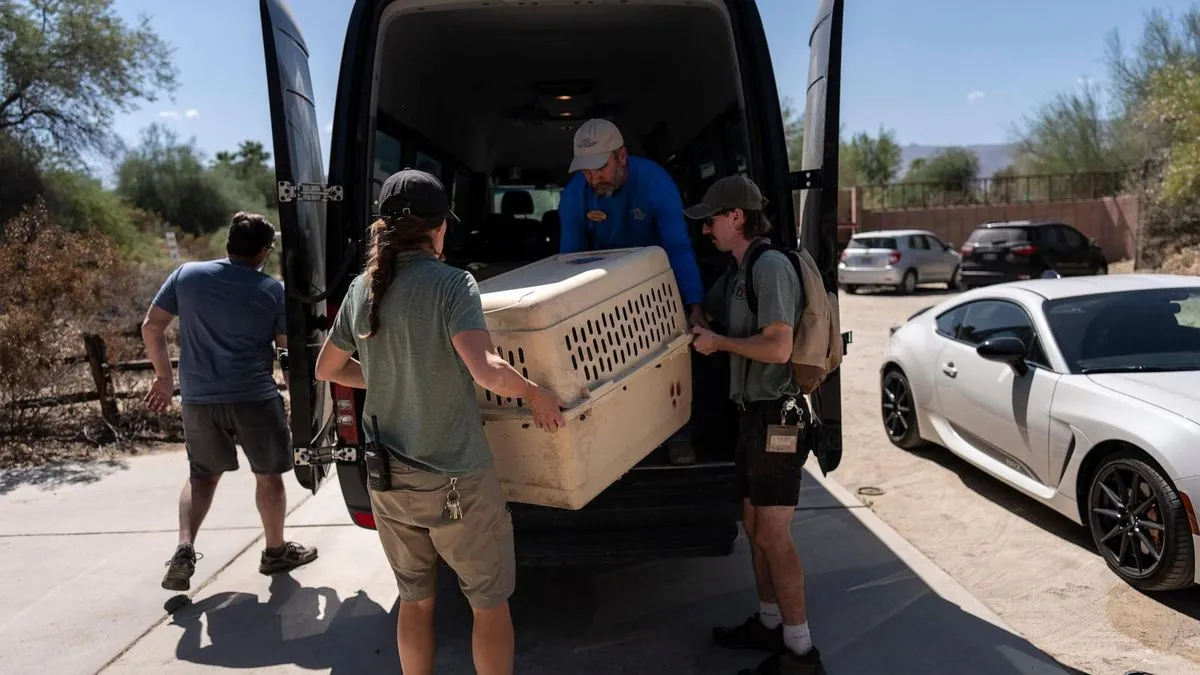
[1083,393]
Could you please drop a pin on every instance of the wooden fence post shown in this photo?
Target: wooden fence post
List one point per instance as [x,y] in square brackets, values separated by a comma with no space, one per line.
[97,356]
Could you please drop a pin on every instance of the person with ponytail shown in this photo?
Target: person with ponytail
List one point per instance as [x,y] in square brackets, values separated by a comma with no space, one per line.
[422,342]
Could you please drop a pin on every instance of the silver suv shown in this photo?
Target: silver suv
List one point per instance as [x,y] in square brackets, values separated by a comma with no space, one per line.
[900,259]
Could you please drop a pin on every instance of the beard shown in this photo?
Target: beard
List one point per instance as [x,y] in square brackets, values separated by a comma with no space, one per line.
[608,189]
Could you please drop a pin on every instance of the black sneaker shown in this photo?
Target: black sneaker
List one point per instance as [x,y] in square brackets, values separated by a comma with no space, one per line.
[180,569]
[288,557]
[752,634]
[788,662]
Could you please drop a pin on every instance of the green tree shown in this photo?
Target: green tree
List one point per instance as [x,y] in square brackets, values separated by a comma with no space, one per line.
[793,134]
[68,66]
[872,160]
[949,169]
[1071,134]
[169,178]
[1173,104]
[249,165]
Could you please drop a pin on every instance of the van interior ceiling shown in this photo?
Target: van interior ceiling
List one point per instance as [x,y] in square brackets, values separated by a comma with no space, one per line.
[489,95]
[499,90]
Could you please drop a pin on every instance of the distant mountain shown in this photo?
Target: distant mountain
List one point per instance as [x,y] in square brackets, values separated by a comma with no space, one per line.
[992,158]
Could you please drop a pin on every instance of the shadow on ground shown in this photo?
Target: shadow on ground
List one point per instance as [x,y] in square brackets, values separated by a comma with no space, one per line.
[869,612]
[1186,602]
[53,476]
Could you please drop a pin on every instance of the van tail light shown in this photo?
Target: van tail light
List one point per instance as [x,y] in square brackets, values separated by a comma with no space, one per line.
[966,249]
[345,415]
[843,256]
[1024,249]
[894,258]
[364,519]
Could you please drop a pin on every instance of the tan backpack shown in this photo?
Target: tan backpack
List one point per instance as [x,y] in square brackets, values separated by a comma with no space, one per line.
[817,348]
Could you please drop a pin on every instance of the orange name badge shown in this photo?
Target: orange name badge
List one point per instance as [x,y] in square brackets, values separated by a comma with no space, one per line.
[596,215]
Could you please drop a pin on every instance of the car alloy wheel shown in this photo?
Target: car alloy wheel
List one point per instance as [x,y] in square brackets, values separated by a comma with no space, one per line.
[1139,525]
[909,283]
[956,281]
[898,411]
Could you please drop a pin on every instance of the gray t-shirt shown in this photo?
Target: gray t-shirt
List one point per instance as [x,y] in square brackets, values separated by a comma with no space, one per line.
[780,298]
[417,386]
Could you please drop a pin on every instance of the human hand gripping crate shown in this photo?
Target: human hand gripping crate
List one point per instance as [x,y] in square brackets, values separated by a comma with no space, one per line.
[607,332]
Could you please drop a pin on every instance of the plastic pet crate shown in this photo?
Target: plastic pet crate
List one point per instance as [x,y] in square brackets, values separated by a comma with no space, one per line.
[606,330]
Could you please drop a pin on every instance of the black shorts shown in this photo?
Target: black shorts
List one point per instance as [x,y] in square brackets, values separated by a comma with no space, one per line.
[768,478]
[211,432]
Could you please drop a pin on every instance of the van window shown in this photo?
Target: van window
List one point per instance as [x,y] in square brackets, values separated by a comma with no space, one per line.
[544,198]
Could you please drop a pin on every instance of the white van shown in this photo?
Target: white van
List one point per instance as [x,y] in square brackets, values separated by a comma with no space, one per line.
[487,94]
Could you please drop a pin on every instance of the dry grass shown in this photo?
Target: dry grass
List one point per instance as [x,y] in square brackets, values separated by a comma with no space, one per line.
[60,284]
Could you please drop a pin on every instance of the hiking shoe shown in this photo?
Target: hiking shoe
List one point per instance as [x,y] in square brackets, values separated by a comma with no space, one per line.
[180,569]
[752,634]
[787,662]
[287,557]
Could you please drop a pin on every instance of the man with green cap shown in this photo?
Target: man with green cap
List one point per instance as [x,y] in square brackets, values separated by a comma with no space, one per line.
[768,455]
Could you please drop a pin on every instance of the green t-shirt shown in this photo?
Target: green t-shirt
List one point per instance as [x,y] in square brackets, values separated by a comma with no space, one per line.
[417,386]
[780,298]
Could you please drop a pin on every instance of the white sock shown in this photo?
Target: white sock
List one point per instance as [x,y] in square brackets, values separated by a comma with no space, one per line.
[768,614]
[797,638]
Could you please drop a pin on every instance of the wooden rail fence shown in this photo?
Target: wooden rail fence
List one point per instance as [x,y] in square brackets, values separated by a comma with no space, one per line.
[96,357]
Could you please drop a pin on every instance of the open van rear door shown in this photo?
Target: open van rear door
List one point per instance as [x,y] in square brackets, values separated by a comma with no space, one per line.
[817,181]
[303,194]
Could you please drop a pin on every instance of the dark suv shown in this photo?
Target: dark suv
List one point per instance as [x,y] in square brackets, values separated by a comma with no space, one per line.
[1028,249]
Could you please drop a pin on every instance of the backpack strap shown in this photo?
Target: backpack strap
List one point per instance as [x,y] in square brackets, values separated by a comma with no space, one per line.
[752,255]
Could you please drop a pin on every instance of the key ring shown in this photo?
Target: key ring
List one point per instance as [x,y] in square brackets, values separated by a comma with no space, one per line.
[452,495]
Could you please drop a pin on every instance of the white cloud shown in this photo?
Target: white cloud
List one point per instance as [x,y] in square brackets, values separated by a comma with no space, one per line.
[169,114]
[1085,82]
[192,113]
[976,95]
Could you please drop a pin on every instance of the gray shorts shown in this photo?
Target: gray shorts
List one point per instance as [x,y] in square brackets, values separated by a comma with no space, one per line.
[211,432]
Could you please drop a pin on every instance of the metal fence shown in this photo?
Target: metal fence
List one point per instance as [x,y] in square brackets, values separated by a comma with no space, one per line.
[1002,190]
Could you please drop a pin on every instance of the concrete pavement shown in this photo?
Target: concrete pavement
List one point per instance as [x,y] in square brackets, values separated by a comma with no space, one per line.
[83,600]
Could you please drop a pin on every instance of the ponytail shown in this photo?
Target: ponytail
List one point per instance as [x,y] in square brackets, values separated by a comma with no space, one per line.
[391,236]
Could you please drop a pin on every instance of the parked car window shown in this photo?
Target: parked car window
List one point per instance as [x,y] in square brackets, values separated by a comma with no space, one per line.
[999,318]
[1129,331]
[872,242]
[917,242]
[1052,235]
[1072,237]
[949,322]
[997,235]
[935,243]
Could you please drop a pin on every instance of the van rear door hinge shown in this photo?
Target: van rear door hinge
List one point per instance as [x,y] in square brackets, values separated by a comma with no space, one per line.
[806,180]
[309,192]
[326,455]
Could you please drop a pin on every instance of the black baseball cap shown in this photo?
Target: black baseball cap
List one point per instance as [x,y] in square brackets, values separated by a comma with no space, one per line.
[415,192]
[731,192]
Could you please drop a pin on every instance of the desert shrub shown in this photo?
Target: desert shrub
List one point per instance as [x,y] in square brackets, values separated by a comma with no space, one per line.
[60,283]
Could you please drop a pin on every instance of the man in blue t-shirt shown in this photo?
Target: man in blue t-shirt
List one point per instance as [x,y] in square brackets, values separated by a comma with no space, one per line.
[231,318]
[616,200]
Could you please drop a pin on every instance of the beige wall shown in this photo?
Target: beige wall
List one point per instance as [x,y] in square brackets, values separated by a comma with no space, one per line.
[1112,222]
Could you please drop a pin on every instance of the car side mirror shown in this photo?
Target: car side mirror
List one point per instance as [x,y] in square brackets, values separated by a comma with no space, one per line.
[1010,350]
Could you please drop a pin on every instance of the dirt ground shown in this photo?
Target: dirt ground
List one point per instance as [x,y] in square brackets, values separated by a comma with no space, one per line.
[1030,565]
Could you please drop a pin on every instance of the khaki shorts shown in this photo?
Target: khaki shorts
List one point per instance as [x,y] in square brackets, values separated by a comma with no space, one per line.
[478,547]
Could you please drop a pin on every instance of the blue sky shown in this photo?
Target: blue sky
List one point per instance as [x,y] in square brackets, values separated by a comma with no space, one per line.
[936,71]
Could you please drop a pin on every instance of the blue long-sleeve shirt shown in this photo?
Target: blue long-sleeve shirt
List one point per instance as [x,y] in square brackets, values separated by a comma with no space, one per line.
[646,211]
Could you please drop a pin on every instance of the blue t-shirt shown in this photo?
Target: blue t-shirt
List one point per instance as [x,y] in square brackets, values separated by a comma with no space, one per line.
[646,211]
[229,314]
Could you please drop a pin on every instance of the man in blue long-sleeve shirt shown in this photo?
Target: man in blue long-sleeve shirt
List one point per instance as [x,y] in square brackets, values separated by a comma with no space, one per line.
[616,200]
